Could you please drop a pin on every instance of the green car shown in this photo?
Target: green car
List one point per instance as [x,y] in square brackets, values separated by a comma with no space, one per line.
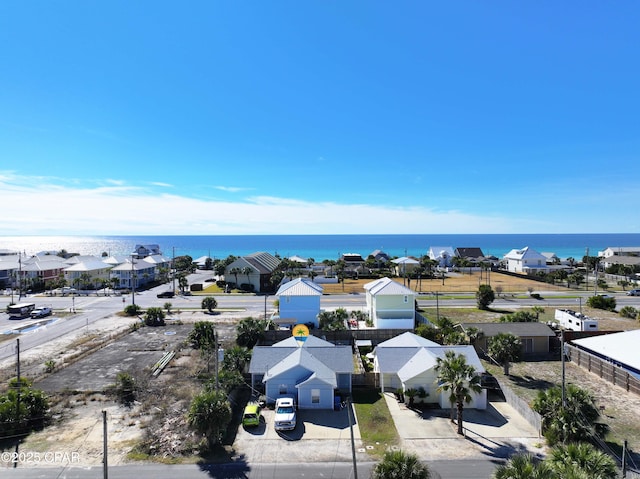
[251,416]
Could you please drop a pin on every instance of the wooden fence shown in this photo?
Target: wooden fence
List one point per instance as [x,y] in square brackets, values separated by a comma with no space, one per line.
[606,370]
[349,336]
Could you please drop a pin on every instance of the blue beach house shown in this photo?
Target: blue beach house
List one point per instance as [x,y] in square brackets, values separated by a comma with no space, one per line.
[299,302]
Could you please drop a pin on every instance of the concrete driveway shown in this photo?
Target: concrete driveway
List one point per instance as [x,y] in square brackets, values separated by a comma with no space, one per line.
[318,436]
[498,432]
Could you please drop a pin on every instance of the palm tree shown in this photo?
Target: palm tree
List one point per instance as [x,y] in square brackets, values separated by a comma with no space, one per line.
[236,358]
[247,271]
[474,334]
[209,303]
[330,263]
[582,457]
[576,421]
[235,272]
[505,348]
[524,466]
[249,332]
[400,465]
[458,378]
[183,282]
[209,414]
[85,278]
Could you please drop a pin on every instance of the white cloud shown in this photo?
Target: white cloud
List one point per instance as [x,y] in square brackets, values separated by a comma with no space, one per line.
[231,189]
[49,208]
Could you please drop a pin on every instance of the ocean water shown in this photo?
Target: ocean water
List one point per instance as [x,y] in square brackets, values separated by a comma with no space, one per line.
[322,247]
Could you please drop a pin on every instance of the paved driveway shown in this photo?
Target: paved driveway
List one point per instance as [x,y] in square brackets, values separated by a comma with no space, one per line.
[318,436]
[497,432]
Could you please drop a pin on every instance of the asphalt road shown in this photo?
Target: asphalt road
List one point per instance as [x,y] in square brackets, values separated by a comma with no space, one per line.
[459,469]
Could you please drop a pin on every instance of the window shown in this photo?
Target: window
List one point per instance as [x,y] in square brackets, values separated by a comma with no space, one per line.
[283,389]
[315,396]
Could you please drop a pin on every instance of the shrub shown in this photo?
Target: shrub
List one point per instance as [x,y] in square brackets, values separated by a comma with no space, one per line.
[154,317]
[49,366]
[629,312]
[132,310]
[125,388]
[607,303]
[519,317]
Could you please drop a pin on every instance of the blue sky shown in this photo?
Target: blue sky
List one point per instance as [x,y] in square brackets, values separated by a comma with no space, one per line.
[294,117]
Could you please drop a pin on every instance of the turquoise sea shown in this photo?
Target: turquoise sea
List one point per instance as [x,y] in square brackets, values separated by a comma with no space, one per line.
[322,247]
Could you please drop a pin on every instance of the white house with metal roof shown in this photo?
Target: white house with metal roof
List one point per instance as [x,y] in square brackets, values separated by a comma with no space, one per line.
[442,254]
[89,271]
[390,305]
[134,275]
[299,302]
[525,260]
[408,361]
[313,371]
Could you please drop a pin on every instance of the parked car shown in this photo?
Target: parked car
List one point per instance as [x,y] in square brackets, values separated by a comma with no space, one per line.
[166,294]
[251,415]
[285,417]
[40,312]
[633,292]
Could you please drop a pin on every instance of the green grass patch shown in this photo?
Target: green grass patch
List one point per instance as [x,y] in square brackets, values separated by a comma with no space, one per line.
[374,420]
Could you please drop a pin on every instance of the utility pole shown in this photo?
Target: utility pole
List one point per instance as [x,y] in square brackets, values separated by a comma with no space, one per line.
[105,470]
[19,381]
[353,444]
[265,306]
[564,393]
[133,284]
[19,276]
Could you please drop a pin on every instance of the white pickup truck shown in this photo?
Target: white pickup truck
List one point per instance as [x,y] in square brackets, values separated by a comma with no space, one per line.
[285,417]
[40,312]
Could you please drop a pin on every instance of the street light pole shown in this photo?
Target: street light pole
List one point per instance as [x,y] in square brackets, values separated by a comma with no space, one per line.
[265,306]
[173,268]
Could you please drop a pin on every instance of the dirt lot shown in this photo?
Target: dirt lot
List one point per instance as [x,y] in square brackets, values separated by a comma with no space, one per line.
[453,283]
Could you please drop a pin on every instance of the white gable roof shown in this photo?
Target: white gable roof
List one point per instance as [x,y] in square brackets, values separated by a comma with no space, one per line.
[300,287]
[310,342]
[422,361]
[526,252]
[407,340]
[303,358]
[386,286]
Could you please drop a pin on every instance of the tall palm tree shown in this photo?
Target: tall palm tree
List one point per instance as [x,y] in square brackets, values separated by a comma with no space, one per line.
[247,271]
[582,457]
[459,379]
[400,465]
[235,272]
[505,348]
[524,466]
